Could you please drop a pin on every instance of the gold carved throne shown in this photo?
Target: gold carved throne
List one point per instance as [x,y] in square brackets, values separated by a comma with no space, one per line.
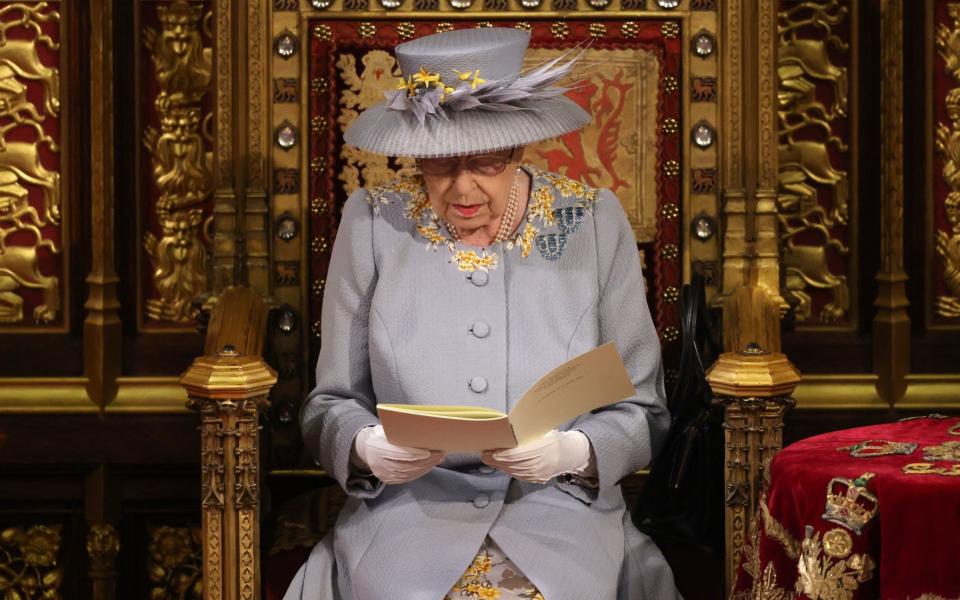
[673,135]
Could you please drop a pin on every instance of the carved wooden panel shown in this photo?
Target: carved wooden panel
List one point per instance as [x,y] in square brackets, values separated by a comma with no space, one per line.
[176,161]
[817,178]
[29,561]
[175,563]
[34,242]
[943,266]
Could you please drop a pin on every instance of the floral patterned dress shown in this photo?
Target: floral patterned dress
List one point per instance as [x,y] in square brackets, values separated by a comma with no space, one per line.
[492,576]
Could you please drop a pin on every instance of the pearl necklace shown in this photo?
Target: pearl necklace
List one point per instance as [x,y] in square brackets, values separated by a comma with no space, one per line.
[506,220]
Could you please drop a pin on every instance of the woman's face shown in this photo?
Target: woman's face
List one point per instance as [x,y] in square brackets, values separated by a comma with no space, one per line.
[470,192]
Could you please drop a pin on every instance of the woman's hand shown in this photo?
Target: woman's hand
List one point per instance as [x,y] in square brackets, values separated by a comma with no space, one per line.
[554,454]
[390,463]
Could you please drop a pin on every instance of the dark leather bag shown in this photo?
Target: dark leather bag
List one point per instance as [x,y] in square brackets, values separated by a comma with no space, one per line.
[682,498]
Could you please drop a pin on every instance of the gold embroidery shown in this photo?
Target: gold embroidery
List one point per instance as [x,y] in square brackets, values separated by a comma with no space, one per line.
[567,186]
[751,549]
[821,578]
[837,543]
[849,503]
[769,589]
[417,208]
[870,448]
[945,451]
[417,205]
[540,207]
[539,210]
[542,204]
[931,469]
[404,186]
[764,583]
[468,261]
[775,530]
[524,240]
[826,569]
[930,416]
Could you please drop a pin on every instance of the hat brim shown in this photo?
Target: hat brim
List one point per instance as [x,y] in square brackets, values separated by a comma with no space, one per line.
[398,133]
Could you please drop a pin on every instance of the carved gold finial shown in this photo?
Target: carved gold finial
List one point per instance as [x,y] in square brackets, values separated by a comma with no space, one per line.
[753,373]
[228,375]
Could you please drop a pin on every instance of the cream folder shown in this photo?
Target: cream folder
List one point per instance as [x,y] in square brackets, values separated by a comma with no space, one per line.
[586,382]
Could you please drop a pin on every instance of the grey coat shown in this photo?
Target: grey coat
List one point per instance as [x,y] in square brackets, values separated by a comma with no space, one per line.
[400,325]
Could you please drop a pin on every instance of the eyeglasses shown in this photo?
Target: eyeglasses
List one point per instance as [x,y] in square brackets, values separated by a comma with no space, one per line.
[480,164]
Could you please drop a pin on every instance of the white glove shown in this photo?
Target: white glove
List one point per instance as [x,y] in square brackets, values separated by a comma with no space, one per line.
[556,453]
[390,463]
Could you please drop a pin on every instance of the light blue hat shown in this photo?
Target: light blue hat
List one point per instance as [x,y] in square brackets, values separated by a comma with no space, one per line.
[466,92]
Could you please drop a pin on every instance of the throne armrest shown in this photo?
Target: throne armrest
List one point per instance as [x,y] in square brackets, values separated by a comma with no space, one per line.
[753,382]
[229,386]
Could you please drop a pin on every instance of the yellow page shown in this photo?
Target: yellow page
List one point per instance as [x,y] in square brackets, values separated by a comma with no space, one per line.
[591,380]
[446,411]
[448,432]
[586,382]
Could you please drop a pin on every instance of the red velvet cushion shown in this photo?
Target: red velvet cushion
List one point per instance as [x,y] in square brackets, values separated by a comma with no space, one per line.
[912,541]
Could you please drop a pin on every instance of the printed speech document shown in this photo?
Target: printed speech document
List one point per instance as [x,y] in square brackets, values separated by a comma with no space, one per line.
[586,382]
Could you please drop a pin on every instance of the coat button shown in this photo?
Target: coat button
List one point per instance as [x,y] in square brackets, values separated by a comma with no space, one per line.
[480,329]
[478,384]
[479,278]
[481,500]
[486,469]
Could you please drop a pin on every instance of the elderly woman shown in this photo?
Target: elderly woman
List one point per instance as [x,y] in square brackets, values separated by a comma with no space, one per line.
[524,270]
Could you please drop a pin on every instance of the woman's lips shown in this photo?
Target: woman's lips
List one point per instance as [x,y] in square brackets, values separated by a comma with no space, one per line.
[467,210]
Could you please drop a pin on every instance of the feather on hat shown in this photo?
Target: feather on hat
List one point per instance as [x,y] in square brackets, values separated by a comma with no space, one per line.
[465,92]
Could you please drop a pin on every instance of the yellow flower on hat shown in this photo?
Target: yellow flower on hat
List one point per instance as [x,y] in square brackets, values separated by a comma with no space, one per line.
[408,85]
[446,90]
[472,76]
[476,80]
[426,77]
